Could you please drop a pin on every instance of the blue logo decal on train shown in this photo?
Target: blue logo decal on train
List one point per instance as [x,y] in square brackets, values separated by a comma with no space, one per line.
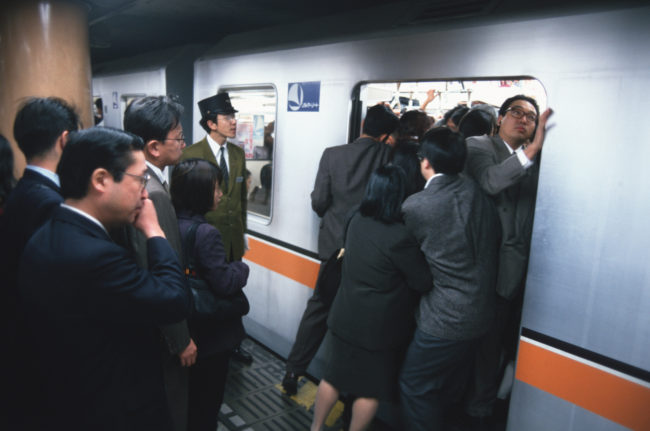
[303,96]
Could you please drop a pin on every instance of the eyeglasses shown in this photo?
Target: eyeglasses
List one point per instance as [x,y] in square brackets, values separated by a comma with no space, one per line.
[182,138]
[519,114]
[228,117]
[144,179]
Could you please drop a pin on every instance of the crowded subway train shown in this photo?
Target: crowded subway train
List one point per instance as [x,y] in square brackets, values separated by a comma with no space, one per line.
[584,348]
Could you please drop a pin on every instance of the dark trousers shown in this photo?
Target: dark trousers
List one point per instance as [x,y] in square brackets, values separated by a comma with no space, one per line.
[176,379]
[311,332]
[429,364]
[207,385]
[493,351]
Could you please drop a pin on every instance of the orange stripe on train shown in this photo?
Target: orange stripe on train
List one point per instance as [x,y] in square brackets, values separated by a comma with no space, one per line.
[598,391]
[290,265]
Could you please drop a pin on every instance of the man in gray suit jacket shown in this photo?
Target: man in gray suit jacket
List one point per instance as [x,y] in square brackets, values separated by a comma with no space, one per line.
[343,173]
[505,168]
[156,119]
[457,228]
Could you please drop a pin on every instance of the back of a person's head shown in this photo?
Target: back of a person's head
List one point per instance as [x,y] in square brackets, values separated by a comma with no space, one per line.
[193,182]
[414,123]
[384,195]
[39,123]
[458,114]
[477,122]
[405,155]
[380,120]
[445,150]
[7,179]
[152,117]
[91,149]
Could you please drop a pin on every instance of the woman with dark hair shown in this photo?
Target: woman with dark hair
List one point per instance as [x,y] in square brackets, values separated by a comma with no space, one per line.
[7,179]
[195,190]
[405,155]
[371,320]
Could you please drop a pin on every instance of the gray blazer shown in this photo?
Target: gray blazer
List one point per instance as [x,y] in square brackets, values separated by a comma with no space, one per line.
[514,190]
[458,231]
[177,335]
[341,181]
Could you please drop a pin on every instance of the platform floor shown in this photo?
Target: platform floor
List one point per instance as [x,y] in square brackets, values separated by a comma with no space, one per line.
[255,401]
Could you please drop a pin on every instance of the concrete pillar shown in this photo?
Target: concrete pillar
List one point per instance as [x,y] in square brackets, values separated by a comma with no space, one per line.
[44,51]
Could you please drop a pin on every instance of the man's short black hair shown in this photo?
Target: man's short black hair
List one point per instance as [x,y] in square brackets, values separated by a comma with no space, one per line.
[380,120]
[193,183]
[152,117]
[476,122]
[39,123]
[87,150]
[385,192]
[445,150]
[509,101]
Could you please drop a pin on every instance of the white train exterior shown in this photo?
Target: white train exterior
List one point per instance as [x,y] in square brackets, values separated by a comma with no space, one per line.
[584,354]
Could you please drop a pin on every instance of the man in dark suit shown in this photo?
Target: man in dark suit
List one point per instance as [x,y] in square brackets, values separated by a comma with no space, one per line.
[41,131]
[219,121]
[92,312]
[343,173]
[458,231]
[505,167]
[156,119]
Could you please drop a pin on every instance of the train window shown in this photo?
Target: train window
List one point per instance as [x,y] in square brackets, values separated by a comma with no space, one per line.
[256,136]
[438,97]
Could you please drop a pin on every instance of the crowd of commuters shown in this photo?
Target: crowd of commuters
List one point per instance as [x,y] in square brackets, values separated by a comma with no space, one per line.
[427,314]
[104,227]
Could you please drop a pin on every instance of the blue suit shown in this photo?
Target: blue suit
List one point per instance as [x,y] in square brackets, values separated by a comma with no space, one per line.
[92,321]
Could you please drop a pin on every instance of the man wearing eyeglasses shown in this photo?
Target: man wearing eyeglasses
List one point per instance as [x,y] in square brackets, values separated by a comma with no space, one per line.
[506,167]
[93,314]
[157,120]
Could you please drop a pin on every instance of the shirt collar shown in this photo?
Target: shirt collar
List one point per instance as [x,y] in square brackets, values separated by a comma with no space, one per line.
[46,173]
[162,175]
[510,150]
[215,147]
[430,179]
[85,214]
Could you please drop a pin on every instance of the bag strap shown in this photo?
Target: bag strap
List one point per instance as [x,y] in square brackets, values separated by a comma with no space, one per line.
[188,249]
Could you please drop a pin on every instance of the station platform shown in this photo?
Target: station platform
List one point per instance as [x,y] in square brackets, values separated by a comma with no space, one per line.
[255,401]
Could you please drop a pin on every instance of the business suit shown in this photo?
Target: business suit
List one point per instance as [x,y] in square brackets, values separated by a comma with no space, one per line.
[343,173]
[373,312]
[176,335]
[230,216]
[93,316]
[513,190]
[458,231]
[30,204]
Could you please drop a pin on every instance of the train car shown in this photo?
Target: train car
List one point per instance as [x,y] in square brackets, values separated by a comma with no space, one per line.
[584,350]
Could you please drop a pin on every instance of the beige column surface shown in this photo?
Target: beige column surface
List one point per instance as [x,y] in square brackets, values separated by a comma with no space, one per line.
[44,51]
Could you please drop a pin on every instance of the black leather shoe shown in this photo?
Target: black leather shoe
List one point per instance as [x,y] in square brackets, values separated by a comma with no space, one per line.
[242,355]
[290,383]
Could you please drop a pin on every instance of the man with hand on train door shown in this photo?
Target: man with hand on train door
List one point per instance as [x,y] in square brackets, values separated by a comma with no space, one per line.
[506,167]
[343,173]
[219,121]
[156,119]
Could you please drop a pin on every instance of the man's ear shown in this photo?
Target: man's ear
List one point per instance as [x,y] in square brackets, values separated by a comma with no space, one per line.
[153,147]
[100,180]
[62,140]
[212,125]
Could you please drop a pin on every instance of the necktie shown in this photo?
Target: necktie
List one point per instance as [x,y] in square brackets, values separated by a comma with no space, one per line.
[224,169]
[166,186]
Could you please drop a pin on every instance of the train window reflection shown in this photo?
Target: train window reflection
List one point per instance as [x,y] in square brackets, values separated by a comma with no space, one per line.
[256,136]
[438,97]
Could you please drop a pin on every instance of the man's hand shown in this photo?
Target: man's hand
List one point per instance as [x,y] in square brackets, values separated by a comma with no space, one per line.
[147,220]
[538,140]
[188,356]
